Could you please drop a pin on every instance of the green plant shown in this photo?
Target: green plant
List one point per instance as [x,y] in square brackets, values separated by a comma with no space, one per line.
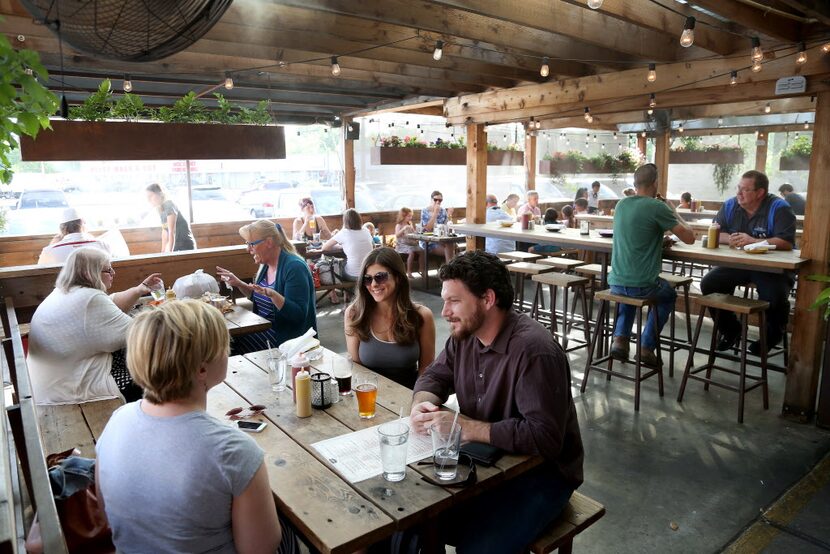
[187,109]
[722,174]
[2,219]
[25,104]
[823,298]
[129,107]
[97,106]
[691,144]
[801,147]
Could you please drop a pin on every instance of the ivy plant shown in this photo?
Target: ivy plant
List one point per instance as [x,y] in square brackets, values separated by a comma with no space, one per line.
[823,298]
[25,104]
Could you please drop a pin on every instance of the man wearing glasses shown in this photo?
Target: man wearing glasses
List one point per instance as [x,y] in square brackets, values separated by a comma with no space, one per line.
[754,215]
[512,381]
[433,215]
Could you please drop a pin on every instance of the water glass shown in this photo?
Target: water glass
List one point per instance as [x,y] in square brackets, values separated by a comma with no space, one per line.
[394,441]
[157,292]
[277,369]
[446,445]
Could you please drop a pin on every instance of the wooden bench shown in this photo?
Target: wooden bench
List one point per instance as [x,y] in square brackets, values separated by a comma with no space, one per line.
[580,513]
[345,286]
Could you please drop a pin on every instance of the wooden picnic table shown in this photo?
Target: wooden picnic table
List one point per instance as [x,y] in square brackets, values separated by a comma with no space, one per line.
[78,426]
[335,515]
[242,321]
[432,237]
[700,227]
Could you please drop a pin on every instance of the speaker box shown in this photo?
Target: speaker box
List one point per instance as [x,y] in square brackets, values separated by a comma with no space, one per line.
[354,133]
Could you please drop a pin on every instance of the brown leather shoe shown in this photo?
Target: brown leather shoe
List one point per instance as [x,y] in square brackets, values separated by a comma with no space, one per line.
[620,349]
[650,358]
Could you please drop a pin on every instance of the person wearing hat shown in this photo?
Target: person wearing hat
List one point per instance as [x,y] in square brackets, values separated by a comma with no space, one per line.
[72,235]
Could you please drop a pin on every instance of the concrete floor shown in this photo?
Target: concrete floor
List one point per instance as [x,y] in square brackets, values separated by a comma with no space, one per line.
[679,477]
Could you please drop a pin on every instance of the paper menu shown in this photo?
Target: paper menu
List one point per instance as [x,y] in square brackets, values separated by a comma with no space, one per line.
[356,456]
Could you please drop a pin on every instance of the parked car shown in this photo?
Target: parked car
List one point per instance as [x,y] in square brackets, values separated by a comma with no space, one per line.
[210,203]
[37,211]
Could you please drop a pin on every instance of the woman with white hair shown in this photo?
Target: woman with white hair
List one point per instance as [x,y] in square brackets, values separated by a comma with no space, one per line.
[76,330]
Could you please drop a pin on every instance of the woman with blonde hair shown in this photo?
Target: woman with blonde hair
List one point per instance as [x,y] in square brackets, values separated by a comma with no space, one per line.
[403,245]
[78,333]
[282,290]
[171,477]
[384,330]
[175,229]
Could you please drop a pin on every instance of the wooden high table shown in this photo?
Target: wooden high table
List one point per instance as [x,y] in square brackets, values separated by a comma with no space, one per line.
[431,237]
[334,515]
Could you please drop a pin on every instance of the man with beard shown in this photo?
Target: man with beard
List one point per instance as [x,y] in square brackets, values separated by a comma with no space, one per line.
[513,385]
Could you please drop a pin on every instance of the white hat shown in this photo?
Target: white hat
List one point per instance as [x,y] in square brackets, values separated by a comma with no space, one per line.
[69,214]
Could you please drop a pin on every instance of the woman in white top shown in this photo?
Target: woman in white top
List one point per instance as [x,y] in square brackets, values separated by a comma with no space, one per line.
[76,329]
[355,241]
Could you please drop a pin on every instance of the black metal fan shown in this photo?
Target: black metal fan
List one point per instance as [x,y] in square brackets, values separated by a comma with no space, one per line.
[129,30]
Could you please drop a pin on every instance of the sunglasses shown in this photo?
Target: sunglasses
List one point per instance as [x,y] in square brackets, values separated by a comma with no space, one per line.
[244,413]
[465,477]
[254,243]
[439,200]
[380,277]
[109,270]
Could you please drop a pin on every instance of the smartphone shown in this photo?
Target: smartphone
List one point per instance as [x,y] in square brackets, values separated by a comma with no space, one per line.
[251,426]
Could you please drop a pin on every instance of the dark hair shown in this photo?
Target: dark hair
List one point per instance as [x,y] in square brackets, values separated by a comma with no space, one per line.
[407,320]
[568,213]
[581,202]
[75,226]
[596,184]
[480,271]
[581,192]
[686,197]
[306,201]
[352,219]
[786,187]
[551,216]
[759,179]
[645,175]
[436,192]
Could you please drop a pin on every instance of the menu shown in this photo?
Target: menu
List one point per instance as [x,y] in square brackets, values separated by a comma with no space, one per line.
[356,456]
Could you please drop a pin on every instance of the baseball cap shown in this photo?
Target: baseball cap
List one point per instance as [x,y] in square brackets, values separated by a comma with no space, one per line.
[69,214]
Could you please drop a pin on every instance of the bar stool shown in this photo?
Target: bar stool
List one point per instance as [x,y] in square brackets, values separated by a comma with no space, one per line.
[606,297]
[521,270]
[567,282]
[749,292]
[564,265]
[744,307]
[684,282]
[518,256]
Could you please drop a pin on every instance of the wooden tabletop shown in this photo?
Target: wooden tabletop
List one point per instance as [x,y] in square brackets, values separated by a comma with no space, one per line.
[430,237]
[242,321]
[78,426]
[772,262]
[337,516]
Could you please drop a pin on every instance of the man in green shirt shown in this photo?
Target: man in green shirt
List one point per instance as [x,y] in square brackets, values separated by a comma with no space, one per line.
[640,222]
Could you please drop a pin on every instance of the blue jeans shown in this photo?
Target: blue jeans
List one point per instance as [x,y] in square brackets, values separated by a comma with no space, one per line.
[664,296]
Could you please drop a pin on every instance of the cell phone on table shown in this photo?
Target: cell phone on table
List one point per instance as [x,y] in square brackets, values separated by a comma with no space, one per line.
[251,426]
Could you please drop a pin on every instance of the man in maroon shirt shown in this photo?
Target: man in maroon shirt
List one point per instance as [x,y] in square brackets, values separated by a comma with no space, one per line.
[512,381]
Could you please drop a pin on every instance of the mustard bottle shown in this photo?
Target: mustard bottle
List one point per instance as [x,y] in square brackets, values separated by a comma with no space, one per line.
[302,387]
[713,236]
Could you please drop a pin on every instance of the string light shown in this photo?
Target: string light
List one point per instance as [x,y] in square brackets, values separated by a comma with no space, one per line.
[720,121]
[594,4]
[680,128]
[652,101]
[756,67]
[228,81]
[757,53]
[767,108]
[733,78]
[544,71]
[687,38]
[588,117]
[335,67]
[439,50]
[801,59]
[538,124]
[806,125]
[128,84]
[652,73]
[643,134]
[826,48]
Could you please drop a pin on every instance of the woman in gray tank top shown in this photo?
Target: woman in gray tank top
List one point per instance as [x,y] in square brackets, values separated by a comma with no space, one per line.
[385,331]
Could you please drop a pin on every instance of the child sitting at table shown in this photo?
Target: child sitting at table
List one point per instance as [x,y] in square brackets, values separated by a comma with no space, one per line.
[551,217]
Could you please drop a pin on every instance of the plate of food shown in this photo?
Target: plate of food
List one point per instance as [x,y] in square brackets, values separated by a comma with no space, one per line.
[554,227]
[506,223]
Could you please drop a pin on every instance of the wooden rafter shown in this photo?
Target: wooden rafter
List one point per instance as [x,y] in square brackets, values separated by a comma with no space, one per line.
[754,19]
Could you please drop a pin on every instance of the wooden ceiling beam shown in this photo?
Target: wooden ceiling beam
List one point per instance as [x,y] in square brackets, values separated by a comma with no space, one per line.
[753,19]
[571,21]
[745,130]
[416,105]
[549,98]
[813,8]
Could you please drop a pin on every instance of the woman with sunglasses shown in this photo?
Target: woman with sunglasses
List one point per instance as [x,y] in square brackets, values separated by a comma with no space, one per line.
[171,477]
[282,290]
[78,333]
[433,215]
[385,331]
[308,223]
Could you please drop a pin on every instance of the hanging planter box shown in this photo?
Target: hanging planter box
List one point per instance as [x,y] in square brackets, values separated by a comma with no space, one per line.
[384,155]
[794,163]
[557,167]
[710,157]
[120,140]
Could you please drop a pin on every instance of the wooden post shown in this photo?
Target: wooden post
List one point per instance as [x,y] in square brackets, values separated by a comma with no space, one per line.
[808,326]
[641,144]
[476,180]
[661,160]
[761,152]
[530,160]
[348,165]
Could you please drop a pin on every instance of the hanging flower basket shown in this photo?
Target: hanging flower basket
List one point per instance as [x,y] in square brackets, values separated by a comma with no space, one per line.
[794,163]
[706,157]
[385,155]
[557,167]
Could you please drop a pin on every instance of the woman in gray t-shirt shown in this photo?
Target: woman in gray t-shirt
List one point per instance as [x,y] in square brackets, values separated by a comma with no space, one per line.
[175,229]
[173,478]
[385,331]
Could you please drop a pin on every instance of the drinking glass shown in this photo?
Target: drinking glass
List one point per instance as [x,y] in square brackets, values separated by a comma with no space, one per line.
[394,437]
[367,394]
[342,368]
[446,445]
[157,292]
[277,366]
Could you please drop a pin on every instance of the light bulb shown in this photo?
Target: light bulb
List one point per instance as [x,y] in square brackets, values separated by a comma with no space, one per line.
[757,53]
[28,71]
[335,67]
[652,101]
[801,59]
[680,129]
[767,108]
[806,125]
[756,67]
[826,48]
[544,71]
[720,121]
[594,4]
[643,134]
[650,111]
[439,50]
[587,114]
[228,81]
[733,78]
[538,124]
[590,118]
[688,36]
[128,85]
[652,73]
[595,138]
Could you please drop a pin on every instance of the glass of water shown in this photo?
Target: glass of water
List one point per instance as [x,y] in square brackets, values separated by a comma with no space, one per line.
[157,292]
[394,441]
[277,363]
[446,445]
